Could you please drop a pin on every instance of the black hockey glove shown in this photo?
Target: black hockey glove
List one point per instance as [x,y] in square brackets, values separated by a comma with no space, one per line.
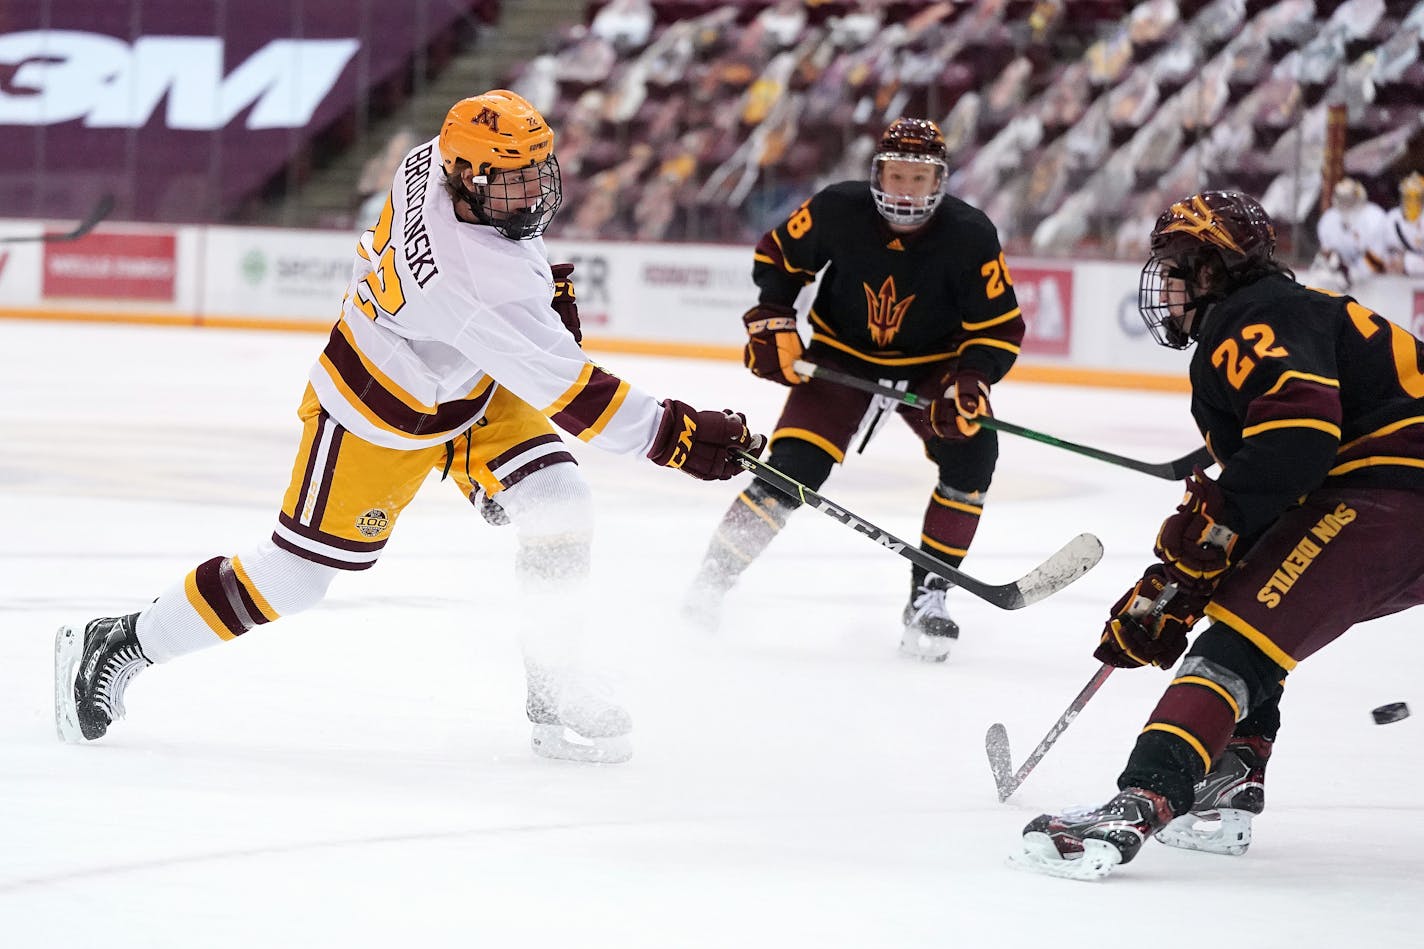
[702,444]
[773,343]
[565,303]
[1136,634]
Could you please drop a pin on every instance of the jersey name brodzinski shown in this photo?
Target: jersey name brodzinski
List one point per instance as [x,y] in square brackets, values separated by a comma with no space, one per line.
[418,255]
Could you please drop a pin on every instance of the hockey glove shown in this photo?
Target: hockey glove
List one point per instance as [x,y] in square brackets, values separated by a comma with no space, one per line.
[565,303]
[1135,637]
[965,398]
[1196,547]
[702,444]
[773,343]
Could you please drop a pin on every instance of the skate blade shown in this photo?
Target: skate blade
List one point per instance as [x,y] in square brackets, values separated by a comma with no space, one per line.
[1228,835]
[934,653]
[558,742]
[1039,855]
[68,651]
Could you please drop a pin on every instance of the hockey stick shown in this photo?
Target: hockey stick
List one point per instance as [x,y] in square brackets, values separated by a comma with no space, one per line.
[1177,470]
[1076,557]
[100,211]
[996,739]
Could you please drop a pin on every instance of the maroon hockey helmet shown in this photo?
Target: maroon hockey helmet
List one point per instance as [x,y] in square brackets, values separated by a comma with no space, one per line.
[909,140]
[1203,247]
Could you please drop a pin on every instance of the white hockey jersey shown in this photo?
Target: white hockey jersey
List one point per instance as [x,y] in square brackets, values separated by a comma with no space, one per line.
[1356,236]
[1405,238]
[438,312]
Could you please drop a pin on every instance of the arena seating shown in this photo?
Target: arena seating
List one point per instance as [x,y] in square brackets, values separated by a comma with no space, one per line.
[1066,119]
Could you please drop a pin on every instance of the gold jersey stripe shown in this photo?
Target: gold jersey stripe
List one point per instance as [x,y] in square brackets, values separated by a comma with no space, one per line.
[879,360]
[1320,425]
[1013,314]
[945,548]
[201,607]
[1258,639]
[1215,687]
[1290,374]
[807,435]
[1389,429]
[385,381]
[571,393]
[614,404]
[257,598]
[1186,736]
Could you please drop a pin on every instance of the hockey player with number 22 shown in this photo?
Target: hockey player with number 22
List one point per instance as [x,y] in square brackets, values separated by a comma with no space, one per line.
[453,330]
[915,293]
[1313,405]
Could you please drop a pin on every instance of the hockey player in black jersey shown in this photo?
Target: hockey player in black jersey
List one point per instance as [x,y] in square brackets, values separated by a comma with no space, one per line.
[914,292]
[1313,405]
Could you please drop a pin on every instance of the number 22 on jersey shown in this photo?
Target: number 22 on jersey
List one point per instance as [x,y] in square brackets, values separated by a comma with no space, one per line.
[381,287]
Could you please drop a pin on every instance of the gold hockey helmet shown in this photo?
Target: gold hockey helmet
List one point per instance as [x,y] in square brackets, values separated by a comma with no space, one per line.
[506,142]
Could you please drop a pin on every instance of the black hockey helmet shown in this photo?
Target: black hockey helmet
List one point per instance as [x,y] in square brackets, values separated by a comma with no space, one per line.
[1206,245]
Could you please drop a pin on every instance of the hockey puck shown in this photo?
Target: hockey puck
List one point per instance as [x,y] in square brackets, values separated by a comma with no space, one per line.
[1393,712]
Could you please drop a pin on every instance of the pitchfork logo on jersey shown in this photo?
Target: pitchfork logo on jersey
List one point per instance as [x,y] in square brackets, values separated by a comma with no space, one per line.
[885,313]
[373,522]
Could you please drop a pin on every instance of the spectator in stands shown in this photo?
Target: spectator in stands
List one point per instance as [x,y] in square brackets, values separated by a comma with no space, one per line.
[1404,229]
[626,24]
[588,59]
[1352,239]
[783,22]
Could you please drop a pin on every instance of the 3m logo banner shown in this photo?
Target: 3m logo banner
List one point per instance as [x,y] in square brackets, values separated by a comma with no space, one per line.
[112,266]
[186,110]
[63,75]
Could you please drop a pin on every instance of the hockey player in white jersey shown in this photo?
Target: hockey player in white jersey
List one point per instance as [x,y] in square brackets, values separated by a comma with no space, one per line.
[1404,228]
[455,348]
[1352,240]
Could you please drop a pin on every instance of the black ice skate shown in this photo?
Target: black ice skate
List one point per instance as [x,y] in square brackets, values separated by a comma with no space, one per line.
[91,671]
[1085,844]
[575,723]
[1233,792]
[929,633]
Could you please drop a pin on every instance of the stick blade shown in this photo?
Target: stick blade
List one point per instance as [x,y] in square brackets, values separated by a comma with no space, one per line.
[1072,560]
[996,744]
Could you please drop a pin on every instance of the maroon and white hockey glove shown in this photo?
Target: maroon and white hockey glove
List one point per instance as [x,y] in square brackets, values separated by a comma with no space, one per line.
[773,343]
[702,444]
[965,397]
[1196,547]
[565,303]
[1134,636]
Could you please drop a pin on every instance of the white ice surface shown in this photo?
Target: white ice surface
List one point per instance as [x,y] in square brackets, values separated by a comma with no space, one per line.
[359,775]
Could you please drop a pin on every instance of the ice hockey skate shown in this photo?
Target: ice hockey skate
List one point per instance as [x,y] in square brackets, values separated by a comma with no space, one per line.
[929,632]
[1087,843]
[574,722]
[92,668]
[702,604]
[1232,793]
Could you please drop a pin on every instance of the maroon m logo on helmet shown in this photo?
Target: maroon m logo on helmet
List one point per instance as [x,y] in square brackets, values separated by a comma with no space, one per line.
[487,117]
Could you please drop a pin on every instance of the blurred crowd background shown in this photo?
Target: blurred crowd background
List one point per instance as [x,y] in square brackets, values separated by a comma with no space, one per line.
[1072,123]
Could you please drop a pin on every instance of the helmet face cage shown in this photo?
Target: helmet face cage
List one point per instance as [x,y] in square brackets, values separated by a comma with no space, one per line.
[1157,299]
[508,201]
[916,141]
